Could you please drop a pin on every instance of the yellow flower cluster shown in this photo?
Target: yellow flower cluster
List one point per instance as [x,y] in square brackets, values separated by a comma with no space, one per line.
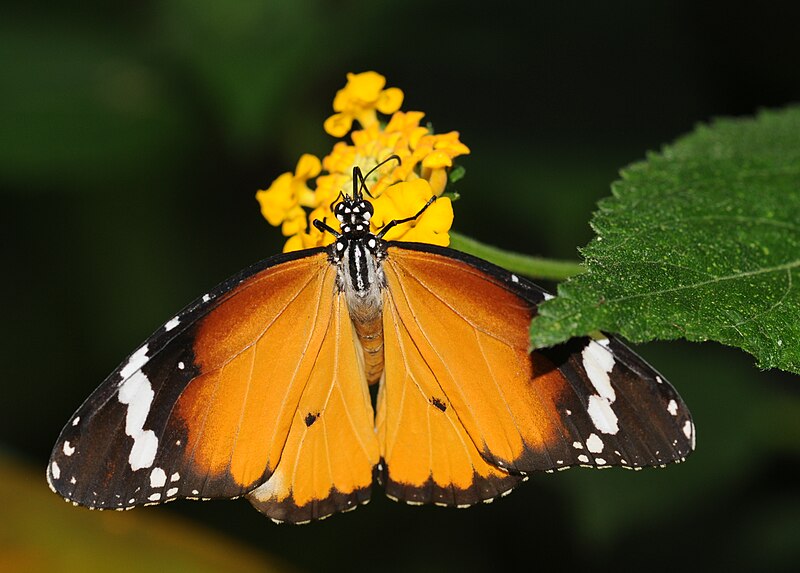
[294,200]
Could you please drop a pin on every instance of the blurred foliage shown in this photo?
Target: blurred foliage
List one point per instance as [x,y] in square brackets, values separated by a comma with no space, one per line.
[40,532]
[134,135]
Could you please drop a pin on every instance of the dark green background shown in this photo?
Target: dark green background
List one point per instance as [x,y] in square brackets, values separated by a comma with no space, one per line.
[133,136]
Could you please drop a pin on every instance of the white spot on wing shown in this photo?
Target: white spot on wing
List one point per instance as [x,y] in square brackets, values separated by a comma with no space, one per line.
[68,449]
[599,362]
[72,480]
[76,420]
[172,324]
[514,279]
[600,461]
[687,429]
[672,407]
[577,445]
[181,365]
[175,477]
[269,488]
[135,362]
[157,478]
[603,417]
[155,497]
[137,393]
[206,297]
[548,296]
[55,470]
[583,458]
[172,491]
[594,444]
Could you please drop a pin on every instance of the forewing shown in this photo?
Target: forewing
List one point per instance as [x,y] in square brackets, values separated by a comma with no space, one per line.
[462,326]
[204,408]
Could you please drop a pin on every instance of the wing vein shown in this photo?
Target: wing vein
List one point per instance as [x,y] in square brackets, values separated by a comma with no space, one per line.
[410,375]
[244,402]
[433,293]
[457,386]
[293,378]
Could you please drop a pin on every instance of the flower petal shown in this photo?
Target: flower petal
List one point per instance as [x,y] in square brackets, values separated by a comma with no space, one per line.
[294,222]
[338,124]
[437,159]
[295,243]
[390,100]
[365,86]
[438,180]
[277,200]
[308,166]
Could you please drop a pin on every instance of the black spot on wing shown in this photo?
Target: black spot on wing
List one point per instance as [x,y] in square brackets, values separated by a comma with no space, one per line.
[310,419]
[438,403]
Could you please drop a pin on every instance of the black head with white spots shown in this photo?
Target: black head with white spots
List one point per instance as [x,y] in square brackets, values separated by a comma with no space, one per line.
[354,215]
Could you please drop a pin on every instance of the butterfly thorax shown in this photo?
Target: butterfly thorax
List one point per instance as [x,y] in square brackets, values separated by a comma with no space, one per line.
[357,253]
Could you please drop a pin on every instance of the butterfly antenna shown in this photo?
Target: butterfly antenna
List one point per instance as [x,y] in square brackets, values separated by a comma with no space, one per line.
[360,180]
[339,197]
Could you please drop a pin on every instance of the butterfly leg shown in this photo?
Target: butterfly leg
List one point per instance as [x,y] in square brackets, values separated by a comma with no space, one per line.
[395,222]
[324,227]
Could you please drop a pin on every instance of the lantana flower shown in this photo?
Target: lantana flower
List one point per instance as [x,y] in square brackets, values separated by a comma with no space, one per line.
[397,190]
[359,99]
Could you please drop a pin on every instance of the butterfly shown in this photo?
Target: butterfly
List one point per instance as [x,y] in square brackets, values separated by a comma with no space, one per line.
[261,388]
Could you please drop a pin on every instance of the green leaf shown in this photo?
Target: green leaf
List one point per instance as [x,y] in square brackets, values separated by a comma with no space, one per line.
[700,241]
[457,173]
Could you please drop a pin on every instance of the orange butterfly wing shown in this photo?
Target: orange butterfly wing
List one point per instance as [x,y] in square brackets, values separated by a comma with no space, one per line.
[250,386]
[328,460]
[465,409]
[259,389]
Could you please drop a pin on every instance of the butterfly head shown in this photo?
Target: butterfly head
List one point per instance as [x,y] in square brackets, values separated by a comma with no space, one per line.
[353,215]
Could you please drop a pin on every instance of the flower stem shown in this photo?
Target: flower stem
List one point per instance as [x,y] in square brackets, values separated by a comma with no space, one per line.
[535,267]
